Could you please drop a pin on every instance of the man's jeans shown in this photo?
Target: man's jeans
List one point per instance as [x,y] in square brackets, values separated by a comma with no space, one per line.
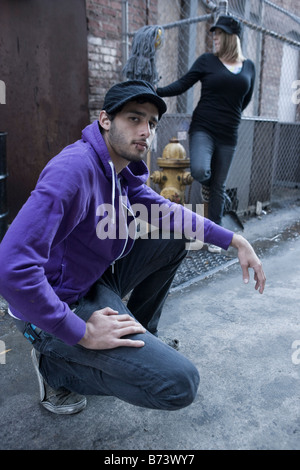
[210,164]
[153,376]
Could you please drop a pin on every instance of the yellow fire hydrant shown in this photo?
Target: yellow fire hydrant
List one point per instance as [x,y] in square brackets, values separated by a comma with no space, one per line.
[173,178]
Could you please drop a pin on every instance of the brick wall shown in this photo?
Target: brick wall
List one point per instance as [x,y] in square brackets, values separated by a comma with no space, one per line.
[104,23]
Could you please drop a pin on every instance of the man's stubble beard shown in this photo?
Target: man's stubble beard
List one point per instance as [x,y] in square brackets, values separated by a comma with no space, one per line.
[119,143]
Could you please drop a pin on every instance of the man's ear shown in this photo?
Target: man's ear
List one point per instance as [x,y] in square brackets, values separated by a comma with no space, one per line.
[104,120]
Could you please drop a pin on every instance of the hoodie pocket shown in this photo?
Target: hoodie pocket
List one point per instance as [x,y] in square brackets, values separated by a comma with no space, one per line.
[58,282]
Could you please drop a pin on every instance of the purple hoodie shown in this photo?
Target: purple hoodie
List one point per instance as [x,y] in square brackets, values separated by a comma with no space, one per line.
[52,253]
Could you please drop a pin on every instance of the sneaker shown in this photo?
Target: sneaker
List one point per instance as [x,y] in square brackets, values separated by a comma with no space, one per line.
[205,193]
[60,401]
[214,249]
[174,343]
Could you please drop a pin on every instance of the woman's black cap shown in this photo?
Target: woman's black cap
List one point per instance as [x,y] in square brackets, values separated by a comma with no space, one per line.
[228,24]
[132,90]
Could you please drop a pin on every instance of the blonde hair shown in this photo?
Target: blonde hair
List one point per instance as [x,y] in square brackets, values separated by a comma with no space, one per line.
[230,48]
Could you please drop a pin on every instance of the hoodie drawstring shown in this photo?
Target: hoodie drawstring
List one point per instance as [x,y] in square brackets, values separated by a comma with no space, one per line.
[113,196]
[113,191]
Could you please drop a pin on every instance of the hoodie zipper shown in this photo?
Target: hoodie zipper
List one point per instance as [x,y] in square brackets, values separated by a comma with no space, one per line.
[114,177]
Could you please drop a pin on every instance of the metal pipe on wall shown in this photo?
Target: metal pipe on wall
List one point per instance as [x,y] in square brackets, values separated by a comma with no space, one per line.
[147,11]
[125,46]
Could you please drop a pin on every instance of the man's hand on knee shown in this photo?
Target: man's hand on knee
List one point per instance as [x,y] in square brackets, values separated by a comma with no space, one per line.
[105,330]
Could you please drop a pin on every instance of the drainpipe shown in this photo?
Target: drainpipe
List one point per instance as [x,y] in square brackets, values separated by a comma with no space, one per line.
[125,46]
[147,11]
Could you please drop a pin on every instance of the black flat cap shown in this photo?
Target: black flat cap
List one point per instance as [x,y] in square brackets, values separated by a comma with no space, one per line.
[228,24]
[132,90]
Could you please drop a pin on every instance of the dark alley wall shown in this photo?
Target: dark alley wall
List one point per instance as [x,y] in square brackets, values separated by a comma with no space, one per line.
[43,62]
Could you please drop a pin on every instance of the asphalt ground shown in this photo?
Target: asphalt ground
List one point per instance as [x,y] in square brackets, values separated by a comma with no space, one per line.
[246,347]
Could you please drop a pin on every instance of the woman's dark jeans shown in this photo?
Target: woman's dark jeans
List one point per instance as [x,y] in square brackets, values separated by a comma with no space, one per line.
[210,164]
[154,376]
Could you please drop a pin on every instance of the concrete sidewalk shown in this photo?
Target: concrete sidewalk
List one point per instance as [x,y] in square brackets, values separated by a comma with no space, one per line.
[242,343]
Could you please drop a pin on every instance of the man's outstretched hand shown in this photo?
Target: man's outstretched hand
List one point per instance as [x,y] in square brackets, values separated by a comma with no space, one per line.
[248,259]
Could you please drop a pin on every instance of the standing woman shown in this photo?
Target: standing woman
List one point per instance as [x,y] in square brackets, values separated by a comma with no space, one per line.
[227,80]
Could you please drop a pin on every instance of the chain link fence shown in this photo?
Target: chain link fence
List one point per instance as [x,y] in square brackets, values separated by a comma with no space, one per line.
[266,165]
